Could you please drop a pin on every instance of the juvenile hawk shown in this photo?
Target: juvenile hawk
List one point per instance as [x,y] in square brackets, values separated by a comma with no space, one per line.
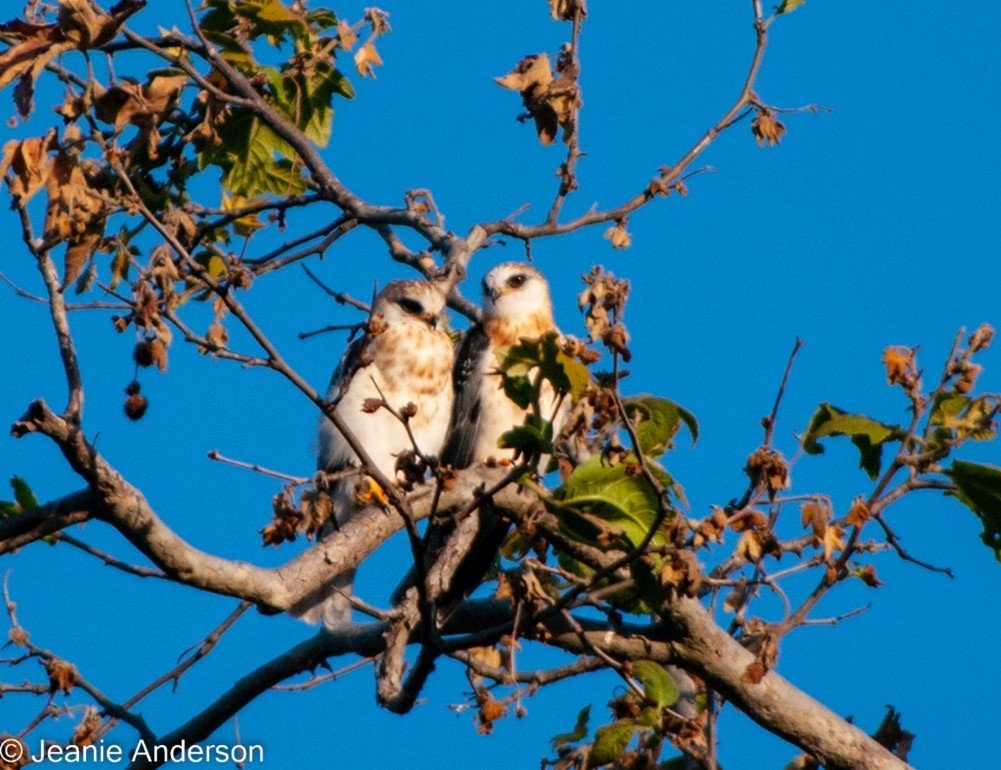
[516,304]
[404,357]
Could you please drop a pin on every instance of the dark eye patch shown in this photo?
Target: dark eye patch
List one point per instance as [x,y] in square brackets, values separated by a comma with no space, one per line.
[517,280]
[412,306]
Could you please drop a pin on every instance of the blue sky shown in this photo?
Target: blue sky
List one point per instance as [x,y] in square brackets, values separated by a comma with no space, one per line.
[876,224]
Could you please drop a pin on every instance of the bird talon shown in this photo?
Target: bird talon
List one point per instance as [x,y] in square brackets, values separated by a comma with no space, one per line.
[368,491]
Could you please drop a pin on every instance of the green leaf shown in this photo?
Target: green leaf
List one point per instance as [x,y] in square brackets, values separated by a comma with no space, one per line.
[23,494]
[610,742]
[788,6]
[658,686]
[657,420]
[254,159]
[979,488]
[867,434]
[946,407]
[522,363]
[532,439]
[213,263]
[610,494]
[578,733]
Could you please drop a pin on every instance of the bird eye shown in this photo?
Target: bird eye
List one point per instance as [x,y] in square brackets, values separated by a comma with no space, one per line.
[517,280]
[412,306]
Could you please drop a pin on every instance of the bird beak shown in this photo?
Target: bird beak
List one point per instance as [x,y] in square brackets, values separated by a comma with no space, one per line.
[431,320]
[495,293]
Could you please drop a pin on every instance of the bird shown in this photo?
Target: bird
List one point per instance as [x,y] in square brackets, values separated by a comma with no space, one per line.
[516,305]
[405,357]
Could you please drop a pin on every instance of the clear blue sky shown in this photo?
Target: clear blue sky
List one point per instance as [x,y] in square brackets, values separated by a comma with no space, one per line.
[875,224]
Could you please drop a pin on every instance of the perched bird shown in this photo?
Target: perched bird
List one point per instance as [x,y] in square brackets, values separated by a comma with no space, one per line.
[516,305]
[405,357]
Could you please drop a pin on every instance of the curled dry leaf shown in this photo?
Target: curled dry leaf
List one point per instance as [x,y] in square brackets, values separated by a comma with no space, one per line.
[346,37]
[816,517]
[216,336]
[490,711]
[76,213]
[84,734]
[144,106]
[30,163]
[833,540]
[551,102]
[62,675]
[902,368]
[767,129]
[619,236]
[488,656]
[366,59]
[768,468]
[981,338]
[566,10]
[80,24]
[858,513]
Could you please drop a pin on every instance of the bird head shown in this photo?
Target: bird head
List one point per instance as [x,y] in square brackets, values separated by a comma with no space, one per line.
[410,302]
[515,289]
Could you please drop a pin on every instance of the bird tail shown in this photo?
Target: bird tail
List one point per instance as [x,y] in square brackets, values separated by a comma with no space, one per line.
[331,606]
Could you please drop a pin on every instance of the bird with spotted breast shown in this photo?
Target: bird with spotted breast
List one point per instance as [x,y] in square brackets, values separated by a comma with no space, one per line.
[516,306]
[404,357]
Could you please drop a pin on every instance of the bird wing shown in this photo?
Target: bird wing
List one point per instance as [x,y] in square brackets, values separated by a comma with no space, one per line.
[468,381]
[332,446]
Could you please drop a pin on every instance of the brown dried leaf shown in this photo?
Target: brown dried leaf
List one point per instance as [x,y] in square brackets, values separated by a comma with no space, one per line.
[565,10]
[62,675]
[141,105]
[981,338]
[366,59]
[346,37]
[749,546]
[815,516]
[858,513]
[76,213]
[619,236]
[902,367]
[29,160]
[767,468]
[767,129]
[552,103]
[84,733]
[217,336]
[490,711]
[832,540]
[39,44]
